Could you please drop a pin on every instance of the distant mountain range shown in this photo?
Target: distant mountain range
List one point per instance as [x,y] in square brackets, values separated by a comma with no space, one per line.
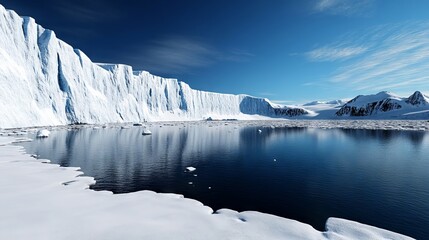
[384,103]
[45,81]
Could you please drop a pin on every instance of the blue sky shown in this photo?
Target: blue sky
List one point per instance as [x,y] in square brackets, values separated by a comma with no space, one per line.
[287,51]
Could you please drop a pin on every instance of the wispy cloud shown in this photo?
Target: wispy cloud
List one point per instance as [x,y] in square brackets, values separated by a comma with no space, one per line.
[397,59]
[87,11]
[178,54]
[335,53]
[315,84]
[343,7]
[181,55]
[79,17]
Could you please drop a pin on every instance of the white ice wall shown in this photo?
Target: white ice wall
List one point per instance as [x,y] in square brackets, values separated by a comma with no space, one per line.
[45,81]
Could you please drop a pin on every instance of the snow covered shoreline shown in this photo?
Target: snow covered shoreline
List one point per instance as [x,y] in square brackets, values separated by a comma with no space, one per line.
[45,201]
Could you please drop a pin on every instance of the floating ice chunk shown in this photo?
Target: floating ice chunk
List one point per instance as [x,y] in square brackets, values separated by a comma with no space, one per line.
[44,133]
[146,132]
[190,169]
[259,131]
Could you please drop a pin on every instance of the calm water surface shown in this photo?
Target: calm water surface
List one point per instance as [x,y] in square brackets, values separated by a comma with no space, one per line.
[376,177]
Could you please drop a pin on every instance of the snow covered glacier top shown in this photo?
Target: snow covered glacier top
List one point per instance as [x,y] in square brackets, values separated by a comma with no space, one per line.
[45,81]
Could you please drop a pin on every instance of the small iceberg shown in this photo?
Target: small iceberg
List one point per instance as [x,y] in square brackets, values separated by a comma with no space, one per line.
[259,131]
[190,169]
[146,132]
[44,133]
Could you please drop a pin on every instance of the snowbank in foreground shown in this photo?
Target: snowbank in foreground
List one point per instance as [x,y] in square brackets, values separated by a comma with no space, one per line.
[45,201]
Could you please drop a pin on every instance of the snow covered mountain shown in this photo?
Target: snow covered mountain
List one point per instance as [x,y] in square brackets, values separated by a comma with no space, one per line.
[45,81]
[386,105]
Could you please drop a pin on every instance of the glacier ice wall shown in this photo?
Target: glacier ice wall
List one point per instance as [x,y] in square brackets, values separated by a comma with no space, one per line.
[45,81]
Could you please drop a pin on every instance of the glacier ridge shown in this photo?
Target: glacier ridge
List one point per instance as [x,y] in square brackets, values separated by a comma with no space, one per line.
[45,81]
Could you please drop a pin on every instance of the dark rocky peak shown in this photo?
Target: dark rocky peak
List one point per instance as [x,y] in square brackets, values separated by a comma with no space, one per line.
[417,98]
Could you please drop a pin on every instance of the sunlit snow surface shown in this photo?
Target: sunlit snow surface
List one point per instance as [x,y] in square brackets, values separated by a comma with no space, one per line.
[45,201]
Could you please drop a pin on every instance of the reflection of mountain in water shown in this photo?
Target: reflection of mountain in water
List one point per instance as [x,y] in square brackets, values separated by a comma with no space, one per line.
[269,135]
[416,137]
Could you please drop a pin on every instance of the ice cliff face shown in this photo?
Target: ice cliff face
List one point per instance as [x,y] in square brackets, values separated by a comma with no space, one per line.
[384,103]
[45,81]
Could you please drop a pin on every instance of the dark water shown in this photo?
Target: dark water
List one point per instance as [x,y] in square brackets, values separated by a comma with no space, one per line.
[376,177]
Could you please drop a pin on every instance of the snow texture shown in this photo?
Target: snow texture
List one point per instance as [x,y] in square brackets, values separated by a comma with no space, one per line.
[45,201]
[45,81]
